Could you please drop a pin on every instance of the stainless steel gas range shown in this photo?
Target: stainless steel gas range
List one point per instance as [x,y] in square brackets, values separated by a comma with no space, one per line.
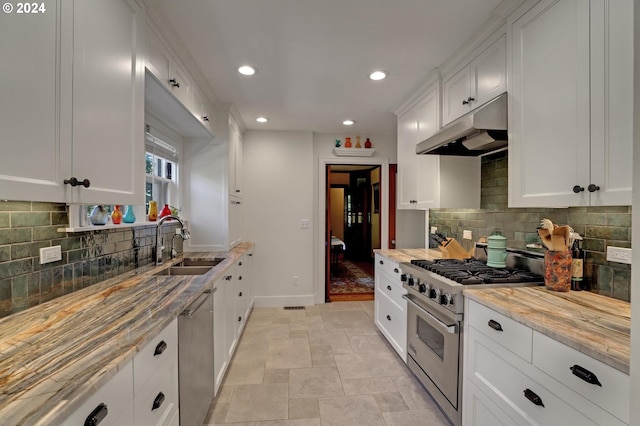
[436,312]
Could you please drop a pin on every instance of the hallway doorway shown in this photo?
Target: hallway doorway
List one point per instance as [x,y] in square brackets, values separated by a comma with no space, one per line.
[354,230]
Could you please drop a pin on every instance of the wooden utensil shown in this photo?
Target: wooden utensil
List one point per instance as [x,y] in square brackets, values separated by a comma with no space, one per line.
[543,233]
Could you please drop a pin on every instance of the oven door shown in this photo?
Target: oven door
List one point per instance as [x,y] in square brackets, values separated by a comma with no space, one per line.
[434,344]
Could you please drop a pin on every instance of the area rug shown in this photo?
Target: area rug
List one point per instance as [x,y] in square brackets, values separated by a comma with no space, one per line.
[349,278]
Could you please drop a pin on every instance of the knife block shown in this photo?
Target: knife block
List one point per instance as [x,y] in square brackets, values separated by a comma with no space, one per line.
[453,250]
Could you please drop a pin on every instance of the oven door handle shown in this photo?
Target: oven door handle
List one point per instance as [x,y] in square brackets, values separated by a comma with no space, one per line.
[449,328]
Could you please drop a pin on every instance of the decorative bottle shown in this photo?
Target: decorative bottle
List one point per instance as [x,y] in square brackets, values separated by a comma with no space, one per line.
[347,143]
[99,216]
[358,142]
[116,215]
[153,211]
[367,143]
[129,215]
[165,211]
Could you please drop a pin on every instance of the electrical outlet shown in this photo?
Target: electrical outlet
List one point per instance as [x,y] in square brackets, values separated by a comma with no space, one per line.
[50,254]
[434,229]
[467,235]
[304,223]
[294,280]
[619,254]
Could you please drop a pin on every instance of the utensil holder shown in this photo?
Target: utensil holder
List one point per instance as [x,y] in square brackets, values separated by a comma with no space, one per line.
[557,270]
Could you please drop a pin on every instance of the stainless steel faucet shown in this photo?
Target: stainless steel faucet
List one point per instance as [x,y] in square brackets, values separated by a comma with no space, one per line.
[184,234]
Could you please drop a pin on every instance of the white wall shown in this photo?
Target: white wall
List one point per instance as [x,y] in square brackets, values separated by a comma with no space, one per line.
[279,191]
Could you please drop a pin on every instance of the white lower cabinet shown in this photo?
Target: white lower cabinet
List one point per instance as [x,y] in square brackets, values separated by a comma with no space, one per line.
[232,304]
[390,308]
[516,380]
[144,392]
[112,404]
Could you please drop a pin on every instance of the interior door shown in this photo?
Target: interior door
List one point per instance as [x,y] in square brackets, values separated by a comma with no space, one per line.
[327,234]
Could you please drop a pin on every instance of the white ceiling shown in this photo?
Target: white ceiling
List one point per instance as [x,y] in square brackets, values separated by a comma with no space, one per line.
[314,56]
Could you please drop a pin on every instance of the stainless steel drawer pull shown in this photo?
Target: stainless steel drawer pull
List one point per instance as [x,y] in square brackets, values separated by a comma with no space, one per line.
[97,415]
[158,401]
[586,375]
[533,397]
[495,325]
[160,348]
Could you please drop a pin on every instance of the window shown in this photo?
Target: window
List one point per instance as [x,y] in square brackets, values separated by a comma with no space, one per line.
[161,167]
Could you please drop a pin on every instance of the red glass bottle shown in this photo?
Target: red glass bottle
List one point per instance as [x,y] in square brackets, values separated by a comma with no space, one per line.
[165,211]
[116,216]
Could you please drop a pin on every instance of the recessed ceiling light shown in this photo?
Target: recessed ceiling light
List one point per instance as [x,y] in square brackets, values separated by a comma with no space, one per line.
[262,119]
[378,75]
[247,70]
[348,122]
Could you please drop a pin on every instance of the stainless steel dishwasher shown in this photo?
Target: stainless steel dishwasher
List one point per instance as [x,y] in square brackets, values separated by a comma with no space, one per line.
[195,359]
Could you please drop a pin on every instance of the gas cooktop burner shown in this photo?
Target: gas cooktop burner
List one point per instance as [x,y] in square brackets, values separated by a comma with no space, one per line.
[473,271]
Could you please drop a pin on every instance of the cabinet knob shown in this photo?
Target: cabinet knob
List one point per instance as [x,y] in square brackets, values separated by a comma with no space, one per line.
[157,402]
[382,262]
[388,317]
[97,415]
[75,182]
[239,319]
[240,294]
[389,287]
[468,100]
[593,188]
[578,189]
[533,397]
[205,118]
[174,83]
[396,270]
[160,348]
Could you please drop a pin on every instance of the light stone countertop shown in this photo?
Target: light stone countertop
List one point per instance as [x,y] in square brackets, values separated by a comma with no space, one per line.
[54,355]
[407,255]
[593,324]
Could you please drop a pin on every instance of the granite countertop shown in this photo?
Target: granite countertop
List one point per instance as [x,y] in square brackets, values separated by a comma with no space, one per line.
[54,355]
[407,255]
[596,325]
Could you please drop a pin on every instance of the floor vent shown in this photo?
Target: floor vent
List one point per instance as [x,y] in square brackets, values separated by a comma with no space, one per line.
[293,307]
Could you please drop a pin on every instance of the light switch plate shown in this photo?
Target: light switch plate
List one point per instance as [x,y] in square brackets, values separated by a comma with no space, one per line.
[467,235]
[619,254]
[304,223]
[50,254]
[434,229]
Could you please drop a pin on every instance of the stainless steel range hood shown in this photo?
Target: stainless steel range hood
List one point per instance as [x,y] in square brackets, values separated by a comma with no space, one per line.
[481,131]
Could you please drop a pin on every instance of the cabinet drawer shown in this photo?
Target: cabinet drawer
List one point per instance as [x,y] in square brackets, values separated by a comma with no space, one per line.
[152,356]
[499,374]
[388,266]
[392,289]
[157,402]
[509,333]
[557,360]
[116,395]
[392,322]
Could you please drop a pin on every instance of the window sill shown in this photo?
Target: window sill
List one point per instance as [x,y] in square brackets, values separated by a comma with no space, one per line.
[354,152]
[111,226]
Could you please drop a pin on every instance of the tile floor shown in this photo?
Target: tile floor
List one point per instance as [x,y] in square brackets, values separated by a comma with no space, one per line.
[325,365]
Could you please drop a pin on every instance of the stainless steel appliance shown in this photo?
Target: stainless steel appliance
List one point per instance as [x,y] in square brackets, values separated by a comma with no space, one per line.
[195,359]
[478,132]
[435,316]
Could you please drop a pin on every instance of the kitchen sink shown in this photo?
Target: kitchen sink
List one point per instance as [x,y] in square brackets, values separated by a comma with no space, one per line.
[200,262]
[185,270]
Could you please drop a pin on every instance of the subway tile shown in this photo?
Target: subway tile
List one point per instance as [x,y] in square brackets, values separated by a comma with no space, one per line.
[22,220]
[5,253]
[622,283]
[21,251]
[46,233]
[609,209]
[60,218]
[603,276]
[16,267]
[5,220]
[12,236]
[49,207]
[608,232]
[594,244]
[12,206]
[6,303]
[618,219]
[68,243]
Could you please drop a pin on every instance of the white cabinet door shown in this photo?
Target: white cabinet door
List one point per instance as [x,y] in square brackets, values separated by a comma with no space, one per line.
[427,166]
[407,160]
[220,352]
[180,83]
[611,101]
[108,102]
[455,95]
[235,159]
[479,410]
[158,58]
[484,78]
[36,154]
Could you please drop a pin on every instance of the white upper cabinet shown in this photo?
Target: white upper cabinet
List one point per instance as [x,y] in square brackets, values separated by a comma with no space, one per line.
[570,104]
[477,82]
[432,181]
[74,108]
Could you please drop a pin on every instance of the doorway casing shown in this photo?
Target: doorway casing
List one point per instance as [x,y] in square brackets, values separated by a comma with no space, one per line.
[319,264]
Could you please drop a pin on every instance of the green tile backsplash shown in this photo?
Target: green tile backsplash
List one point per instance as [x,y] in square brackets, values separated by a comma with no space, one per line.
[600,227]
[87,257]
